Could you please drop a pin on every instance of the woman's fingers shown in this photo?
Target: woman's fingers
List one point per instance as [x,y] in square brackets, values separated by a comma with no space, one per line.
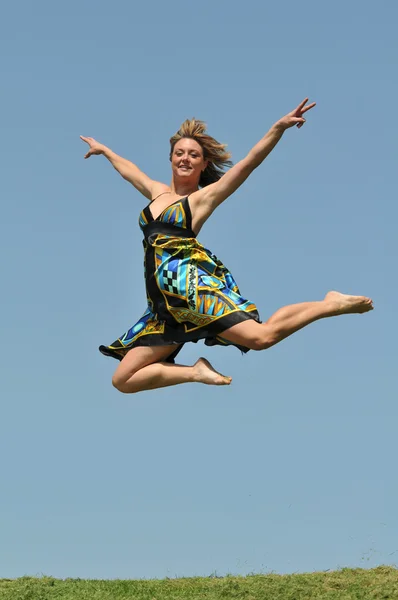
[88,140]
[91,142]
[296,116]
[301,105]
[302,108]
[305,108]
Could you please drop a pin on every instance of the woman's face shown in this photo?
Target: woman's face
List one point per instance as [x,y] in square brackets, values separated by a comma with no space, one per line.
[187,159]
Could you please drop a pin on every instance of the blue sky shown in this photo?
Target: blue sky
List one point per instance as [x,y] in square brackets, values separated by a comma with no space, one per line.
[292,467]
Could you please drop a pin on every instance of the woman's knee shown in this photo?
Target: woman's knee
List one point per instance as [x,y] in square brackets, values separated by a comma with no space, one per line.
[250,334]
[123,381]
[119,383]
[261,344]
[264,340]
[136,359]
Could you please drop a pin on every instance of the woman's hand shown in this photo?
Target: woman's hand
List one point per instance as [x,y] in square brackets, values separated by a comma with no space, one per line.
[296,116]
[95,147]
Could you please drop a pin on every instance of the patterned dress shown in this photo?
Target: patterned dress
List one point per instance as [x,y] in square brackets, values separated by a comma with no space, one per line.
[191,295]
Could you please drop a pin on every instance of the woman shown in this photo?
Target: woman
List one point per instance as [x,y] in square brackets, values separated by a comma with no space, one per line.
[191,295]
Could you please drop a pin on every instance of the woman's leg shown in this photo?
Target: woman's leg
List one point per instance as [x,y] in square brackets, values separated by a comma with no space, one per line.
[289,319]
[143,368]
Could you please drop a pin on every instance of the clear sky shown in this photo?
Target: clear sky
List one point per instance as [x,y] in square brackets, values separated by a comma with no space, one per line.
[294,466]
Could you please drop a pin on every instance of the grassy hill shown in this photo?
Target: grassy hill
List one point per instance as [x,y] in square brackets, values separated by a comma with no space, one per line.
[345,584]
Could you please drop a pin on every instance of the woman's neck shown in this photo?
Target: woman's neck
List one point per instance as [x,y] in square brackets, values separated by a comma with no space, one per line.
[183,188]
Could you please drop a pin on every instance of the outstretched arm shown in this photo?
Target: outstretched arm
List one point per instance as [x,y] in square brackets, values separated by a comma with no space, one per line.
[128,170]
[216,193]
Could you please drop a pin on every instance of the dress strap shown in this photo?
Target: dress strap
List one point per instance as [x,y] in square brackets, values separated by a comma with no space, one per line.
[188,214]
[158,196]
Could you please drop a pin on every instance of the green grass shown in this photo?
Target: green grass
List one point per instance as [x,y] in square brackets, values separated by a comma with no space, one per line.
[345,584]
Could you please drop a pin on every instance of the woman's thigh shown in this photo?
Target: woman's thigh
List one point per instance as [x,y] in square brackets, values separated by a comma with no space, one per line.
[138,358]
[248,333]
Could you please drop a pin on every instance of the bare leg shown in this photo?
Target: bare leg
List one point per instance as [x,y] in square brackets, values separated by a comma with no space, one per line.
[145,369]
[164,374]
[289,319]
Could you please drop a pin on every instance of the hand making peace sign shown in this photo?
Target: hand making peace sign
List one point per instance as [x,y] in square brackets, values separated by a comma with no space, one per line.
[296,116]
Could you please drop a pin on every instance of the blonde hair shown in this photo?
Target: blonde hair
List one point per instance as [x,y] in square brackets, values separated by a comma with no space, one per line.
[214,152]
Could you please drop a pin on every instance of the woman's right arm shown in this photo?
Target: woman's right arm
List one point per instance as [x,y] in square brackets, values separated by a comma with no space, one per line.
[128,170]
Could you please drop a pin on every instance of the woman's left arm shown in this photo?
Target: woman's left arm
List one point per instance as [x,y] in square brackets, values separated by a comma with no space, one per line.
[215,193]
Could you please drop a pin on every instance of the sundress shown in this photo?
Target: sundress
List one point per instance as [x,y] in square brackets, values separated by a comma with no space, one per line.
[191,295]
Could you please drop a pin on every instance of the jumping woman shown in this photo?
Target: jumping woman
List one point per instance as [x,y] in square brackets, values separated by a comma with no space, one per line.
[191,294]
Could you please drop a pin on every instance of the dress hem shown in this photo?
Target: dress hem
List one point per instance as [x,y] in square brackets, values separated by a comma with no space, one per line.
[173,336]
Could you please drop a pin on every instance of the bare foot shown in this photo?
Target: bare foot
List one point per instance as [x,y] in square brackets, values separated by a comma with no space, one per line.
[204,373]
[346,304]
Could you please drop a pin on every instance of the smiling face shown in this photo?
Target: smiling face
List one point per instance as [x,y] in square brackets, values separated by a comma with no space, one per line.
[187,159]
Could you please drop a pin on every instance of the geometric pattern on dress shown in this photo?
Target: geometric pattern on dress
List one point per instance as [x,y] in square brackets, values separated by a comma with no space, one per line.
[190,319]
[214,305]
[142,221]
[192,286]
[170,281]
[161,257]
[174,215]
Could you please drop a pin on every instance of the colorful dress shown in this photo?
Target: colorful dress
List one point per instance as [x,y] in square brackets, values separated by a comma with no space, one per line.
[191,295]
